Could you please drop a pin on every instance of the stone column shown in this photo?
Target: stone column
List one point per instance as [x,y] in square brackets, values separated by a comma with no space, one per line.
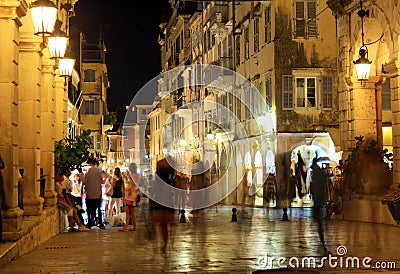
[29,117]
[393,68]
[362,110]
[48,129]
[10,14]
[61,111]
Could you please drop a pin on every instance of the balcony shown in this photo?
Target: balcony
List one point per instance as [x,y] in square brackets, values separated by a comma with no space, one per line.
[219,14]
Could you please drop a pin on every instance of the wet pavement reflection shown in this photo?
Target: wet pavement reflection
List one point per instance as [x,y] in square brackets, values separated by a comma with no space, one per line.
[210,243]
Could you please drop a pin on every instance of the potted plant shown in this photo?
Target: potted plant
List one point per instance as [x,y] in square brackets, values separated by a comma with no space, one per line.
[364,171]
[73,152]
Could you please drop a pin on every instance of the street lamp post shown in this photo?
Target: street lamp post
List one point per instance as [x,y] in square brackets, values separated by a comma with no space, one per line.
[362,64]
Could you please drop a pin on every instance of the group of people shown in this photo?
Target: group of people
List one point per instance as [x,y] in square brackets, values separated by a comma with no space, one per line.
[97,192]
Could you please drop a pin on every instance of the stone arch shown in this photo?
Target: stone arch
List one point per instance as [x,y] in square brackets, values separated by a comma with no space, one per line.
[270,161]
[248,160]
[258,161]
[259,170]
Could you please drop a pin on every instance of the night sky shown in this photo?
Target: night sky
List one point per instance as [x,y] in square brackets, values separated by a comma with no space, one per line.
[130,30]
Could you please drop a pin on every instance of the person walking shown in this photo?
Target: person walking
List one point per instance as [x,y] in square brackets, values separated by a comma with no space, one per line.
[92,184]
[319,195]
[118,189]
[161,214]
[2,197]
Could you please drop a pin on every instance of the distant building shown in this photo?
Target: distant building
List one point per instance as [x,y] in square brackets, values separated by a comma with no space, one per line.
[282,49]
[94,114]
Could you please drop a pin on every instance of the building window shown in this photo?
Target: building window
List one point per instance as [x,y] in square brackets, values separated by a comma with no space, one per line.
[305,19]
[257,103]
[91,107]
[99,141]
[229,52]
[178,45]
[287,92]
[305,92]
[237,50]
[327,91]
[268,94]
[256,34]
[208,35]
[91,146]
[267,24]
[386,102]
[246,43]
[223,110]
[90,75]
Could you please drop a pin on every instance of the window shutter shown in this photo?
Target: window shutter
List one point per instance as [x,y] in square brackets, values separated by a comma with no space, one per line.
[300,20]
[90,75]
[99,141]
[256,34]
[312,20]
[327,91]
[237,53]
[96,107]
[268,94]
[246,43]
[386,101]
[91,146]
[287,92]
[267,24]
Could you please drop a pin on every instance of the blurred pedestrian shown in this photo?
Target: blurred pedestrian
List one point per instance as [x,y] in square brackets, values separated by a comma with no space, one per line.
[92,184]
[182,183]
[2,197]
[131,195]
[118,185]
[162,214]
[105,198]
[269,190]
[319,194]
[199,181]
[21,182]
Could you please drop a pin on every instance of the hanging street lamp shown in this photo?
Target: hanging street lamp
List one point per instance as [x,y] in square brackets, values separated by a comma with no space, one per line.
[362,64]
[57,42]
[44,14]
[66,67]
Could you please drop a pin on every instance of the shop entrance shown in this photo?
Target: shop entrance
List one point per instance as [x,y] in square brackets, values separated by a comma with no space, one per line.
[301,160]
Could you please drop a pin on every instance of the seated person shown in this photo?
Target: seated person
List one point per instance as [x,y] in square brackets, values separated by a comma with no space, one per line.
[65,203]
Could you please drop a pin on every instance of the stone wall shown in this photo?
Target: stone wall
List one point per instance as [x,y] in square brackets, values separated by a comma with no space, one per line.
[35,231]
[367,208]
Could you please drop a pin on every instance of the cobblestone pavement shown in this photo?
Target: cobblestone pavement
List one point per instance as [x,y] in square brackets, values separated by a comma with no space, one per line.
[211,243]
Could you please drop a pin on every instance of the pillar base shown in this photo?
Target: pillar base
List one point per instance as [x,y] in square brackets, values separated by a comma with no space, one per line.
[50,198]
[12,224]
[33,206]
